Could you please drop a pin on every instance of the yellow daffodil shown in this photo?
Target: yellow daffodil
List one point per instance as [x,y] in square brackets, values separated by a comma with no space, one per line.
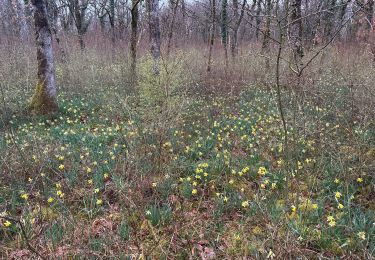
[262,171]
[7,223]
[362,235]
[332,223]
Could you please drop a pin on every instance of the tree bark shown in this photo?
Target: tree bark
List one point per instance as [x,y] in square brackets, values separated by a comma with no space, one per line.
[78,10]
[112,22]
[224,29]
[44,100]
[267,32]
[295,32]
[153,18]
[184,21]
[329,20]
[170,33]
[21,19]
[236,27]
[212,34]
[369,9]
[133,42]
[370,34]
[258,19]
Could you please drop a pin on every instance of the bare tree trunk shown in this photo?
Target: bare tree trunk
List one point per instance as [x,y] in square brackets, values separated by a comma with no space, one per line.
[295,33]
[170,33]
[258,19]
[19,5]
[153,11]
[233,37]
[267,33]
[81,41]
[184,22]
[78,10]
[112,22]
[79,24]
[212,35]
[370,34]
[238,20]
[133,42]
[369,9]
[372,44]
[44,100]
[224,29]
[329,19]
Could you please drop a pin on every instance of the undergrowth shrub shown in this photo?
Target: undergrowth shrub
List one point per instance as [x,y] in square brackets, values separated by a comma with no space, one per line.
[162,99]
[162,96]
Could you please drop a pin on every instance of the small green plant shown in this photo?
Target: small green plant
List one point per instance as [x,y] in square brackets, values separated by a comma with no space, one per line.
[55,233]
[158,215]
[96,244]
[154,215]
[187,190]
[124,230]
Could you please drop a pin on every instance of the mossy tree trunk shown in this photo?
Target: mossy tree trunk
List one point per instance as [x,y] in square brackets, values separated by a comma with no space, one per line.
[44,100]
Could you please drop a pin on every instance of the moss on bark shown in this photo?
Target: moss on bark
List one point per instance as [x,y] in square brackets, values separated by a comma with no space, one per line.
[41,103]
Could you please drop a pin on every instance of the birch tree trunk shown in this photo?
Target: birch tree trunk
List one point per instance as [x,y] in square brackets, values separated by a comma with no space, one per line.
[153,10]
[44,100]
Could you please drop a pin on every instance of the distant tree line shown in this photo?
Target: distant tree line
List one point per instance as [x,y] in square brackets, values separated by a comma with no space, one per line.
[302,24]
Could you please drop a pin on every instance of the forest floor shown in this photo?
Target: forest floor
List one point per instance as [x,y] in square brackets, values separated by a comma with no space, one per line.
[218,180]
